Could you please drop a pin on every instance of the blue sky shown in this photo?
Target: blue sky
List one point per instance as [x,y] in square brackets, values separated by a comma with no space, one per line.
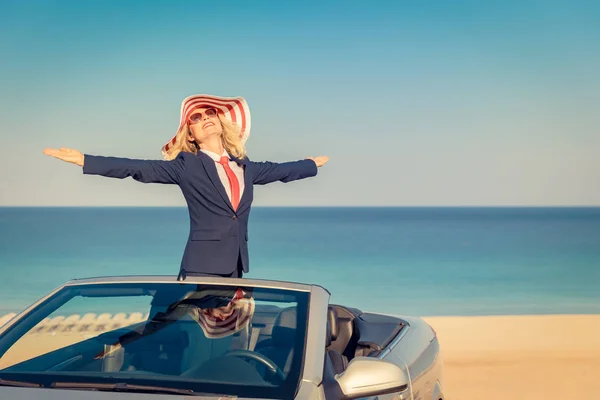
[417,103]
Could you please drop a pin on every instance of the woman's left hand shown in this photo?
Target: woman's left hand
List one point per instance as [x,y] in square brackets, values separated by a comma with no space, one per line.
[320,161]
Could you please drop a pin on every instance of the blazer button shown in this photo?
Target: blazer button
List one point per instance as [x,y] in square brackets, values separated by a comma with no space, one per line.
[234,217]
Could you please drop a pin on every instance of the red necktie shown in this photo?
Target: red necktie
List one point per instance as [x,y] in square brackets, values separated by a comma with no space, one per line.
[233,182]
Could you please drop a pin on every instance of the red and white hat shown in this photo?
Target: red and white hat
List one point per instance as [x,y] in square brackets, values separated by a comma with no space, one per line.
[243,311]
[235,109]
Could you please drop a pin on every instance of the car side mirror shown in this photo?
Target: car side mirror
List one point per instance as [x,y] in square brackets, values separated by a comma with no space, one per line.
[366,376]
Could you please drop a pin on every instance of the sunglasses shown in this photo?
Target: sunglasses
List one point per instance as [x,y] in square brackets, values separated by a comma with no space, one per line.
[197,117]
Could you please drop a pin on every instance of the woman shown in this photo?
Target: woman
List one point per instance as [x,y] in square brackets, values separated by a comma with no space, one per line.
[207,159]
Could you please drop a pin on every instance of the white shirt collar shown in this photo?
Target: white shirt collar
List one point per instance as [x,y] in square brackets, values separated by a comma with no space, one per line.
[215,156]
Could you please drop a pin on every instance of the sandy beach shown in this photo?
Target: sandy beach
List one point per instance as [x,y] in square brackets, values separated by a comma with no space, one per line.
[496,357]
[520,357]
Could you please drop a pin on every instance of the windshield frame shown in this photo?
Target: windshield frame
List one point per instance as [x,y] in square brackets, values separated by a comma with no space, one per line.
[36,313]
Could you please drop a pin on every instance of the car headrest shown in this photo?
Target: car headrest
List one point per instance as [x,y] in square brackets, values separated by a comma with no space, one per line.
[332,325]
[284,329]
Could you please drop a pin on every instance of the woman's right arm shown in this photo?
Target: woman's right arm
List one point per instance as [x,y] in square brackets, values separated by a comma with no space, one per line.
[147,171]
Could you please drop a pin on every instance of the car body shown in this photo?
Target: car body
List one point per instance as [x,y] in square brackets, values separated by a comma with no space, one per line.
[213,338]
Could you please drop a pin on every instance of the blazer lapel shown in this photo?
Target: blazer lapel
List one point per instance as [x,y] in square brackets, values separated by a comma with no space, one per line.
[211,171]
[247,181]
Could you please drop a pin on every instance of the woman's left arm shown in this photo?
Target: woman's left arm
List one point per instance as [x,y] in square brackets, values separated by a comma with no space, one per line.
[267,172]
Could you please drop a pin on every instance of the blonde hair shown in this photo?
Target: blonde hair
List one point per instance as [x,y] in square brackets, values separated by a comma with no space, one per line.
[230,137]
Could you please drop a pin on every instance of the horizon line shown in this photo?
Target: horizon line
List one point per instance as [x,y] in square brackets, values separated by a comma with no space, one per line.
[313,206]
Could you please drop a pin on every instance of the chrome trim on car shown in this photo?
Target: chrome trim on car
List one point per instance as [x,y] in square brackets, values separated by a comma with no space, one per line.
[262,283]
[394,342]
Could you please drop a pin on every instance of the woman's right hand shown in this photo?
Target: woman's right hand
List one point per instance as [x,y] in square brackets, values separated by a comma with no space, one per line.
[68,155]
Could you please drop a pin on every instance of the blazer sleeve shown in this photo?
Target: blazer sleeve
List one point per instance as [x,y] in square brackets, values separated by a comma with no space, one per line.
[146,171]
[267,172]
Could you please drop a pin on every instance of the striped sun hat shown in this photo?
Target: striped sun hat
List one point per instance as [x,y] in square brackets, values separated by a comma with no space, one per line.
[235,109]
[243,310]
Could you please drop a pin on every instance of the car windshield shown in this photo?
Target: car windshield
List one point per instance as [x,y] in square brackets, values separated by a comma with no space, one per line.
[228,340]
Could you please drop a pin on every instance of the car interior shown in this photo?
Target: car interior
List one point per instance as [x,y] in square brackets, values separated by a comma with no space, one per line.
[353,333]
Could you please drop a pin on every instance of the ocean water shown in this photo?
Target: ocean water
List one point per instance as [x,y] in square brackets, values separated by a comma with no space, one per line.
[413,261]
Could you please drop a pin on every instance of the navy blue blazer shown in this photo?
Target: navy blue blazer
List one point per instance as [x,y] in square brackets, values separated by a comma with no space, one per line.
[218,234]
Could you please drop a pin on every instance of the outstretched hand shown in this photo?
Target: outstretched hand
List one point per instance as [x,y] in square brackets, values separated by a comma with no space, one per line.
[68,155]
[320,161]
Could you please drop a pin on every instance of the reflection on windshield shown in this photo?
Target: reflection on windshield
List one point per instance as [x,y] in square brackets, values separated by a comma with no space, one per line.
[241,341]
[218,312]
[218,320]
